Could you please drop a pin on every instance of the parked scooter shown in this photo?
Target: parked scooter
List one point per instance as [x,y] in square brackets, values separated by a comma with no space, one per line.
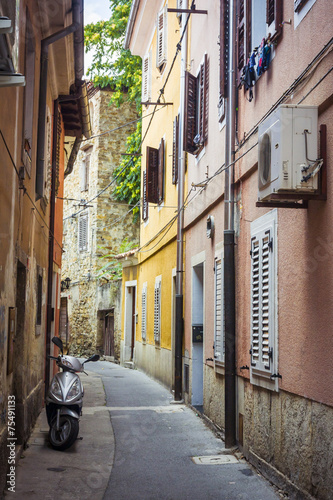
[65,398]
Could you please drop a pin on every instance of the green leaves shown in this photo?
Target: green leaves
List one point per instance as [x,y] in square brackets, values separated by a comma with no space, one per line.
[115,67]
[112,270]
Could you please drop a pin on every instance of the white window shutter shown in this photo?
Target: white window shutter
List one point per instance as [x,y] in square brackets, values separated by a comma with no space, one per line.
[146,78]
[161,37]
[157,311]
[83,233]
[219,311]
[144,313]
[263,300]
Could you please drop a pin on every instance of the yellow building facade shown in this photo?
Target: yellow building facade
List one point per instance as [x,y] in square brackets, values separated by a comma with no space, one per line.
[149,317]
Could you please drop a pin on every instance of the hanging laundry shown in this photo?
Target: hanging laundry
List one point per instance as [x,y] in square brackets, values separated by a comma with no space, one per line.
[264,56]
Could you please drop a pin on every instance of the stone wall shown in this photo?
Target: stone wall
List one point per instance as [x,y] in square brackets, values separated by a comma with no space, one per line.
[91,298]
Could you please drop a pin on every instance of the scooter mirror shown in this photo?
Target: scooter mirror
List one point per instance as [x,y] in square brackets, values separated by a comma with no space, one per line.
[94,357]
[58,343]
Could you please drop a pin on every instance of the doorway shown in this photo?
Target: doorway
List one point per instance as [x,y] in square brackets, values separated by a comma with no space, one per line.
[130,320]
[108,334]
[197,335]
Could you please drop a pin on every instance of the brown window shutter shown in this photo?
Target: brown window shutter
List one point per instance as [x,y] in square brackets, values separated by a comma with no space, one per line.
[160,175]
[190,112]
[270,4]
[175,150]
[278,14]
[241,35]
[152,175]
[224,33]
[205,97]
[144,197]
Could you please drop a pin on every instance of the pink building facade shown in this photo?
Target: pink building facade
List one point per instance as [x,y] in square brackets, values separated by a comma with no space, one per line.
[283,245]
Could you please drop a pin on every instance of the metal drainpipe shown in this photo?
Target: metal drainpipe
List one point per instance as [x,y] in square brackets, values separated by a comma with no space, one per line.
[179,324]
[77,16]
[43,92]
[51,245]
[229,240]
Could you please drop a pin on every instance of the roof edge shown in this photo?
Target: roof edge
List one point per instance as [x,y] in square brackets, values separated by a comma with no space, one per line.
[130,24]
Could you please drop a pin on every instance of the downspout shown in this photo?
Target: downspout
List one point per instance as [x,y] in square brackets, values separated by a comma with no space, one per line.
[229,239]
[179,324]
[51,245]
[77,22]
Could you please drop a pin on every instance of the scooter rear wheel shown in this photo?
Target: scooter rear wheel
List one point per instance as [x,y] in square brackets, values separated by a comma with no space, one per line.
[66,435]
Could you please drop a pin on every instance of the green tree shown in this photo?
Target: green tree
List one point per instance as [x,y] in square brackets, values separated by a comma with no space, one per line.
[117,68]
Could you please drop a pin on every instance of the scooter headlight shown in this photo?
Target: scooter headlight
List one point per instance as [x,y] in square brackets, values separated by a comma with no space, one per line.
[56,389]
[74,391]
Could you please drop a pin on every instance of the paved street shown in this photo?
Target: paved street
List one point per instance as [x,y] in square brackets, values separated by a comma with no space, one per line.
[155,443]
[147,451]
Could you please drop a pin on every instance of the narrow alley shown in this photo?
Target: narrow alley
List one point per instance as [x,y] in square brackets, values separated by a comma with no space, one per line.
[148,452]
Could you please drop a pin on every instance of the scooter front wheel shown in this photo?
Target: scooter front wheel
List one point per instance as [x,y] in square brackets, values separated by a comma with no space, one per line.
[66,435]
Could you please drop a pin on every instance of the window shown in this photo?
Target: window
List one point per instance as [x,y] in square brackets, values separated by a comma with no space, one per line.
[161,39]
[219,340]
[257,19]
[301,8]
[48,160]
[39,299]
[83,232]
[196,109]
[85,166]
[144,313]
[30,57]
[146,78]
[264,297]
[155,173]
[157,311]
[175,150]
[144,197]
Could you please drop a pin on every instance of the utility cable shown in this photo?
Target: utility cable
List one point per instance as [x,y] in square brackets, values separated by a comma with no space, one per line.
[26,192]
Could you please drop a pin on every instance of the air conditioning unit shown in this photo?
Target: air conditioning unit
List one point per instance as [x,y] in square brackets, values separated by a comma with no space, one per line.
[287,150]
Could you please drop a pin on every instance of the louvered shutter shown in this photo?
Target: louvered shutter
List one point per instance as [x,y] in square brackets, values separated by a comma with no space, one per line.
[190,112]
[160,175]
[144,197]
[175,150]
[144,313]
[203,84]
[298,4]
[224,34]
[274,18]
[83,233]
[161,38]
[219,311]
[146,78]
[157,312]
[152,174]
[241,35]
[262,300]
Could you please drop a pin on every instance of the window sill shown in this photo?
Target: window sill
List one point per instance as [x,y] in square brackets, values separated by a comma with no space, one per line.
[263,379]
[219,367]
